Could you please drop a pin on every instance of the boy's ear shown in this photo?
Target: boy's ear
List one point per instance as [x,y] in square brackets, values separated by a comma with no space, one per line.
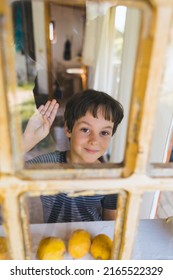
[67,131]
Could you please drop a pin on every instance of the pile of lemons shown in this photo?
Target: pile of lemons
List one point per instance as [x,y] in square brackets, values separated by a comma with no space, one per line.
[79,244]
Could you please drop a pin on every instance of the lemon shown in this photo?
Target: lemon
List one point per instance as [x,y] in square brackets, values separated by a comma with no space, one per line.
[101,247]
[4,255]
[79,243]
[51,248]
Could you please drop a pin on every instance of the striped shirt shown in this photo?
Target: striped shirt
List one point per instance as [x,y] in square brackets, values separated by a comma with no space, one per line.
[62,208]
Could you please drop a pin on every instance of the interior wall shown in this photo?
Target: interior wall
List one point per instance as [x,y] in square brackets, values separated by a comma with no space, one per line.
[69,23]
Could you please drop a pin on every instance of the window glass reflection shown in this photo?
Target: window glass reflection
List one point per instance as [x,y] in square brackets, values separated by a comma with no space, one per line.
[59,68]
[77,226]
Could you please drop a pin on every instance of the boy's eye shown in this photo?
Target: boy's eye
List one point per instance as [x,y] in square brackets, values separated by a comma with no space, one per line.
[85,130]
[105,133]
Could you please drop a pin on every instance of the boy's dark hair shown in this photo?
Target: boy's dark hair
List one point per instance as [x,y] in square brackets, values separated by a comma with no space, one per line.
[92,100]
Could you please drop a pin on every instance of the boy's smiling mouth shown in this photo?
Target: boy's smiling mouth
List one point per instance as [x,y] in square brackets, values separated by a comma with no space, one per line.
[91,151]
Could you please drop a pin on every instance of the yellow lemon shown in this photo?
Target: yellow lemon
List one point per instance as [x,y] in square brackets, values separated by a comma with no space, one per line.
[4,255]
[51,248]
[79,243]
[101,247]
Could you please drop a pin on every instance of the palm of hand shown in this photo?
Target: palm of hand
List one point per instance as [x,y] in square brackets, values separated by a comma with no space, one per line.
[40,125]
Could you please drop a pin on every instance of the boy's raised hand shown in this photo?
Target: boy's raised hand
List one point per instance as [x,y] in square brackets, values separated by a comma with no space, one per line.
[39,125]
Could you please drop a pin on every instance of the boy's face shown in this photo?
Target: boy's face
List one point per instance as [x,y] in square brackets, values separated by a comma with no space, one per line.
[89,138]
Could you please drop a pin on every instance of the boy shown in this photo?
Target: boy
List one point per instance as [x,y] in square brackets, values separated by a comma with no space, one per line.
[91,118]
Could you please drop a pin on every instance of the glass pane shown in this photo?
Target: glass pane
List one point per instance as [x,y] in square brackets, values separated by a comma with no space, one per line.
[165,205]
[53,59]
[71,222]
[153,240]
[154,234]
[163,130]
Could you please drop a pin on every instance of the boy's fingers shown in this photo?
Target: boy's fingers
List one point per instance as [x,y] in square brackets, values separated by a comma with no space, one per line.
[46,109]
[40,108]
[53,113]
[50,108]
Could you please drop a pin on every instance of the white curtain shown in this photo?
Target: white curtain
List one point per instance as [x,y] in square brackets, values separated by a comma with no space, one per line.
[99,45]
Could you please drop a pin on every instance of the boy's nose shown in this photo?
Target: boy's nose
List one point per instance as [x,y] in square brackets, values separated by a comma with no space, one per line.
[93,138]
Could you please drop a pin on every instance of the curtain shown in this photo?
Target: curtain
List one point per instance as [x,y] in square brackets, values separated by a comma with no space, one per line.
[99,45]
